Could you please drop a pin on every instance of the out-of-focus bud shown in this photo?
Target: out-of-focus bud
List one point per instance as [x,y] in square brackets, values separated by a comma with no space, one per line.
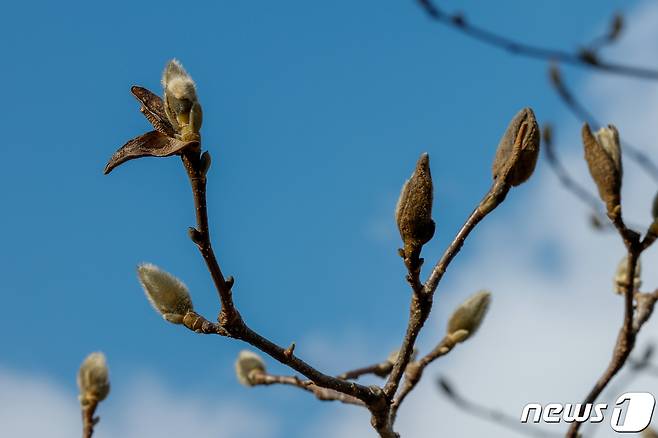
[413,212]
[649,433]
[603,156]
[247,366]
[93,379]
[469,315]
[621,277]
[167,294]
[459,336]
[393,357]
[518,149]
[180,101]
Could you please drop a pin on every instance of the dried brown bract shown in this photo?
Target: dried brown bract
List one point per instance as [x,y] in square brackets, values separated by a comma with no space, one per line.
[518,149]
[176,124]
[413,212]
[603,156]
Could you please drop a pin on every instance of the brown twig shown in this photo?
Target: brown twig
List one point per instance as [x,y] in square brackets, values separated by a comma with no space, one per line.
[381,369]
[88,408]
[489,414]
[584,58]
[627,334]
[414,371]
[324,394]
[230,322]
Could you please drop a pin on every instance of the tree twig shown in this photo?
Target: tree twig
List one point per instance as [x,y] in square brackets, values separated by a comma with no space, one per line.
[489,414]
[584,58]
[88,419]
[578,109]
[230,322]
[321,393]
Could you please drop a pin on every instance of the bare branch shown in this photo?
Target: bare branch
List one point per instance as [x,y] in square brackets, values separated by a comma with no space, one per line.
[489,414]
[584,58]
[324,394]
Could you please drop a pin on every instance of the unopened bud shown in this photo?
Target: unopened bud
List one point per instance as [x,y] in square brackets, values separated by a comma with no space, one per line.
[603,156]
[393,357]
[621,277]
[167,294]
[93,379]
[247,366]
[413,212]
[469,315]
[518,149]
[459,336]
[180,101]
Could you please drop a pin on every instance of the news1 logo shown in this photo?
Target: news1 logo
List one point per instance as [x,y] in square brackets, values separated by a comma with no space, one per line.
[632,412]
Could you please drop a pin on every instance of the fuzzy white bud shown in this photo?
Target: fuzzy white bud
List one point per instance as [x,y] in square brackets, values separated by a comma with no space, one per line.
[468,316]
[621,276]
[608,138]
[180,99]
[166,293]
[93,379]
[247,365]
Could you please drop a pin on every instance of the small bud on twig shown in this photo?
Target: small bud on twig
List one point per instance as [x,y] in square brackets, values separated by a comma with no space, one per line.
[93,379]
[518,149]
[413,212]
[180,101]
[247,366]
[621,277]
[603,156]
[167,294]
[469,315]
[393,357]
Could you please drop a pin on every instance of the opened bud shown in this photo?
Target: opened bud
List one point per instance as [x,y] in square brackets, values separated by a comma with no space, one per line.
[166,293]
[248,365]
[621,277]
[468,316]
[413,212]
[603,156]
[180,101]
[518,149]
[93,379]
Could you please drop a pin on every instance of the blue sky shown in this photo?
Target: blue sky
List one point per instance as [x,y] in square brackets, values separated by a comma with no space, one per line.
[314,114]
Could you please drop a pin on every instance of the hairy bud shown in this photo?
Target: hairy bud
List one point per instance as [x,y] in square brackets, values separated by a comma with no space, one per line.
[180,101]
[167,294]
[469,315]
[518,149]
[621,277]
[247,366]
[93,379]
[393,356]
[603,156]
[413,212]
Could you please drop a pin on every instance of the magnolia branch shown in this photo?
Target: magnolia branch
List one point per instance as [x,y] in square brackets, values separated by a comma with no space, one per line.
[584,58]
[489,414]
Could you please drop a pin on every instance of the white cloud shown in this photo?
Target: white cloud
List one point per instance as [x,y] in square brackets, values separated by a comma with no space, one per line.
[33,407]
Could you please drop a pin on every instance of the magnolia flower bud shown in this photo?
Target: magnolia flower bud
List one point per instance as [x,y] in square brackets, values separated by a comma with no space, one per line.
[393,357]
[469,315]
[180,101]
[167,294]
[413,212]
[621,277]
[93,379]
[247,366]
[603,156]
[518,149]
